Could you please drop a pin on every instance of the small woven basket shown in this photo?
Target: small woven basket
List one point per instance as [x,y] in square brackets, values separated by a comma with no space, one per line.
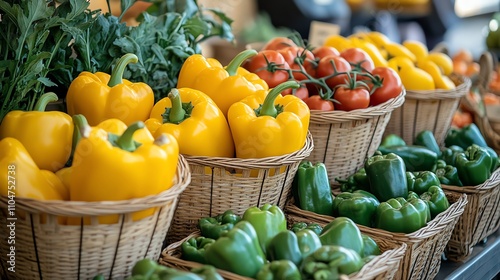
[422,257]
[343,140]
[219,184]
[45,249]
[383,266]
[427,110]
[480,219]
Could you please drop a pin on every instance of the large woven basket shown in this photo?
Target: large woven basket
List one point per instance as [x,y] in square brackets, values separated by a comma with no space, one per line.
[422,257]
[219,184]
[383,266]
[45,249]
[344,139]
[480,219]
[427,110]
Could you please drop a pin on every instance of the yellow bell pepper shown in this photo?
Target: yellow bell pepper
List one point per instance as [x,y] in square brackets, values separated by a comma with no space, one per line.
[440,80]
[195,121]
[100,96]
[46,136]
[108,167]
[224,86]
[23,178]
[412,77]
[395,50]
[268,124]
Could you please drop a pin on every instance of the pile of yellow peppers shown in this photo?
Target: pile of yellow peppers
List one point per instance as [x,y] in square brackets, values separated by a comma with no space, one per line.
[418,68]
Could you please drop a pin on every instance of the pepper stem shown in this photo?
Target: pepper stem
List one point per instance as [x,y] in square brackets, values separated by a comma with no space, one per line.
[117,74]
[232,67]
[81,129]
[42,102]
[268,108]
[126,141]
[177,113]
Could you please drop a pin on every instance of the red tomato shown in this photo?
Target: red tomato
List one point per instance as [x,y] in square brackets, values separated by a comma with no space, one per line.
[351,99]
[325,68]
[316,102]
[323,51]
[279,43]
[270,66]
[300,92]
[389,82]
[297,56]
[359,59]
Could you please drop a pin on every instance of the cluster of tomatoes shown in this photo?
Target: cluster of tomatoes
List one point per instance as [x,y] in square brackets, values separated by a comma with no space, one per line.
[330,80]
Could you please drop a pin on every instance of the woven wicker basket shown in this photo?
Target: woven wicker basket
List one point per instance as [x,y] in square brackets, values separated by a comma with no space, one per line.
[381,267]
[215,186]
[480,219]
[427,110]
[343,140]
[45,249]
[422,257]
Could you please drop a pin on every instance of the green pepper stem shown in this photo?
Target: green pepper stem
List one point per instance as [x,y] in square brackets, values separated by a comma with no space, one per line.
[117,74]
[126,141]
[268,108]
[177,113]
[232,67]
[42,102]
[82,129]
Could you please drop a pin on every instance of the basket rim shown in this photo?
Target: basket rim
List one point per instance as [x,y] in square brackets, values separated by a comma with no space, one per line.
[320,116]
[459,91]
[255,163]
[492,182]
[98,208]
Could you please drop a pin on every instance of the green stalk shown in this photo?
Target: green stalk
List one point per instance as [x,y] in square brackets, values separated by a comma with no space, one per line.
[117,74]
[177,113]
[126,141]
[236,62]
[268,108]
[42,102]
[81,126]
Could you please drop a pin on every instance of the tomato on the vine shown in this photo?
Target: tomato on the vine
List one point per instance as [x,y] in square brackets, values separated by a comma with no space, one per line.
[322,51]
[297,57]
[325,68]
[352,95]
[359,59]
[316,102]
[270,66]
[388,85]
[300,92]
[278,43]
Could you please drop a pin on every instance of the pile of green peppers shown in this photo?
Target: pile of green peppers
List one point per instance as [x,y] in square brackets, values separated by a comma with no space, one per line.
[260,244]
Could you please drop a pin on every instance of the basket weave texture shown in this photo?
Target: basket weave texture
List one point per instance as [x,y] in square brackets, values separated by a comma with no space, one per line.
[383,266]
[344,139]
[480,219]
[219,184]
[422,257]
[427,110]
[45,249]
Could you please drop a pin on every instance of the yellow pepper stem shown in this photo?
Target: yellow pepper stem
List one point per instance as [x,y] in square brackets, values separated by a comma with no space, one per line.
[126,140]
[45,99]
[268,108]
[117,74]
[232,67]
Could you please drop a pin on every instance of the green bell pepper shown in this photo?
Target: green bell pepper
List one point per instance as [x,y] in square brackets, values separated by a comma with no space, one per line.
[329,261]
[343,232]
[308,241]
[449,154]
[359,206]
[370,247]
[474,165]
[425,138]
[391,140]
[267,220]
[410,180]
[465,137]
[436,200]
[448,175]
[237,251]
[212,227]
[440,163]
[284,246]
[401,215]
[148,269]
[416,158]
[423,181]
[494,158]
[311,188]
[356,181]
[207,272]
[316,228]
[412,195]
[387,176]
[194,249]
[279,270]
